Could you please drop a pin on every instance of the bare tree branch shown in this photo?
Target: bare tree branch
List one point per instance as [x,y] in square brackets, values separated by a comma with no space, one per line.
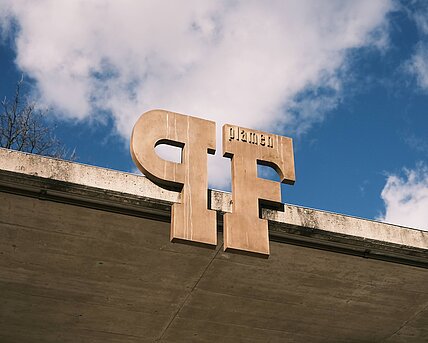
[23,127]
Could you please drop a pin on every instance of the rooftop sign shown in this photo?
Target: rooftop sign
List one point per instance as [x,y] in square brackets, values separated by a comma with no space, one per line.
[191,219]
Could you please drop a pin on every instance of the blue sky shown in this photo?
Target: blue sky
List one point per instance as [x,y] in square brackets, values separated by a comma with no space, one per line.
[347,80]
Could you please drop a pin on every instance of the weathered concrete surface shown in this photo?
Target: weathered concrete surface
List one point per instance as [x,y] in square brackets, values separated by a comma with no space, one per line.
[81,261]
[75,274]
[81,174]
[133,194]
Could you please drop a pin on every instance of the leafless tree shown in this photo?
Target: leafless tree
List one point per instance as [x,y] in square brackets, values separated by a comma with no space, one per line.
[23,127]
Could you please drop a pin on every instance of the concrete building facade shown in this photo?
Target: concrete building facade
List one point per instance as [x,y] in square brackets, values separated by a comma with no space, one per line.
[85,256]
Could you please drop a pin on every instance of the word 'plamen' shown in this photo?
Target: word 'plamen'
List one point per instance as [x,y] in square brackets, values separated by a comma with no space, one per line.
[191,220]
[252,137]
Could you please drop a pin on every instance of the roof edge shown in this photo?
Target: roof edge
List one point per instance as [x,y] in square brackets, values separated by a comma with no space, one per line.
[83,185]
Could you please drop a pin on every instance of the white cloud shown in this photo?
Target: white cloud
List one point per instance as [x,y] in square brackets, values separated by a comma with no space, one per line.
[406,198]
[242,62]
[420,17]
[418,63]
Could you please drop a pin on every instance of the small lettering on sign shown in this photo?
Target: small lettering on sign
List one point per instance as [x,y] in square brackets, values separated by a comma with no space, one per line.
[246,136]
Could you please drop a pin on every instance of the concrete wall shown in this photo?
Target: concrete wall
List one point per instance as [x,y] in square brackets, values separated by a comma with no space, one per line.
[83,261]
[117,191]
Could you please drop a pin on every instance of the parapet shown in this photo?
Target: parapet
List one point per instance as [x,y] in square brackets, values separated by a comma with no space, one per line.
[115,191]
